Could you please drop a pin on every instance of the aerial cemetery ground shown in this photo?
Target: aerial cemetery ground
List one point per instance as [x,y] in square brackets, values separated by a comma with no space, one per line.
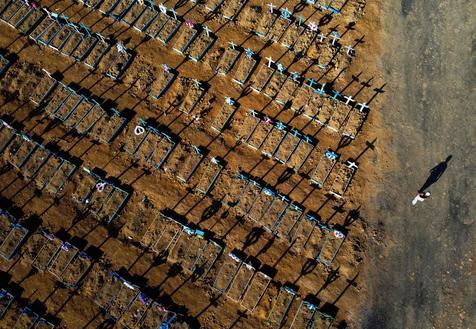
[191,164]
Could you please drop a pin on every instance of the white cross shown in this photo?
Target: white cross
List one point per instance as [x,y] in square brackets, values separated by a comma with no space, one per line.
[321,37]
[352,164]
[349,50]
[271,7]
[207,30]
[322,88]
[174,13]
[232,45]
[196,83]
[335,37]
[313,27]
[270,61]
[363,106]
[163,9]
[348,99]
[120,47]
[229,101]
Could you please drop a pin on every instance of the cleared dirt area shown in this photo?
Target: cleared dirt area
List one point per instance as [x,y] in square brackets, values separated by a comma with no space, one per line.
[150,204]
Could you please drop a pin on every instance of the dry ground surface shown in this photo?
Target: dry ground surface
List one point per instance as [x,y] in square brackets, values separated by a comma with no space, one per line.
[337,290]
[426,276]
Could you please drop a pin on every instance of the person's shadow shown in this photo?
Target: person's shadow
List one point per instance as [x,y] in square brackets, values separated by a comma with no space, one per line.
[435,173]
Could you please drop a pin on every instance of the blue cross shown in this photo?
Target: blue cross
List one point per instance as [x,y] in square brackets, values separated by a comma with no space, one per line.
[286,13]
[336,94]
[249,53]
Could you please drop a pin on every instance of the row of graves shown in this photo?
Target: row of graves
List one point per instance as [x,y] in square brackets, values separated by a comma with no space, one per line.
[124,303]
[159,23]
[17,317]
[227,272]
[339,113]
[51,171]
[280,26]
[77,111]
[75,41]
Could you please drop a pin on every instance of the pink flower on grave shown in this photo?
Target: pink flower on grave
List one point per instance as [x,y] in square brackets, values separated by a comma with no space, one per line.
[189,23]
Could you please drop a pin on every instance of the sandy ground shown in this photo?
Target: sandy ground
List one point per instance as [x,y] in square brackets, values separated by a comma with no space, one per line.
[425,277]
[162,281]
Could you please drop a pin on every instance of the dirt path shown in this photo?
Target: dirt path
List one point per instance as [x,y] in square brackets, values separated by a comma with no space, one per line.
[426,277]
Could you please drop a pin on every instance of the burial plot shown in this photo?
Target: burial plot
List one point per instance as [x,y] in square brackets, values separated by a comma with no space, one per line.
[301,97]
[343,178]
[287,224]
[354,123]
[207,259]
[322,320]
[324,167]
[340,113]
[43,324]
[255,291]
[62,259]
[232,8]
[309,234]
[245,67]
[108,126]
[117,61]
[331,246]
[136,310]
[41,28]
[261,204]
[263,76]
[209,175]
[26,319]
[302,152]
[107,289]
[153,27]
[56,25]
[248,196]
[251,121]
[54,174]
[18,150]
[163,81]
[241,281]
[201,44]
[76,270]
[82,50]
[236,188]
[122,299]
[138,221]
[304,42]
[334,6]
[281,306]
[274,139]
[286,92]
[257,137]
[13,240]
[164,240]
[227,272]
[267,21]
[121,9]
[313,108]
[292,35]
[96,53]
[49,249]
[30,20]
[14,12]
[107,6]
[274,85]
[282,22]
[229,58]
[177,251]
[194,93]
[287,146]
[194,247]
[6,135]
[141,16]
[6,300]
[325,112]
[326,53]
[222,120]
[272,215]
[304,316]
[34,244]
[4,64]
[149,144]
[213,5]
[168,29]
[59,40]
[67,106]
[184,161]
[134,12]
[155,316]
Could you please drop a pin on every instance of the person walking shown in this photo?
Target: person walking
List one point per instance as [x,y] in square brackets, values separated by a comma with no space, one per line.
[421,196]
